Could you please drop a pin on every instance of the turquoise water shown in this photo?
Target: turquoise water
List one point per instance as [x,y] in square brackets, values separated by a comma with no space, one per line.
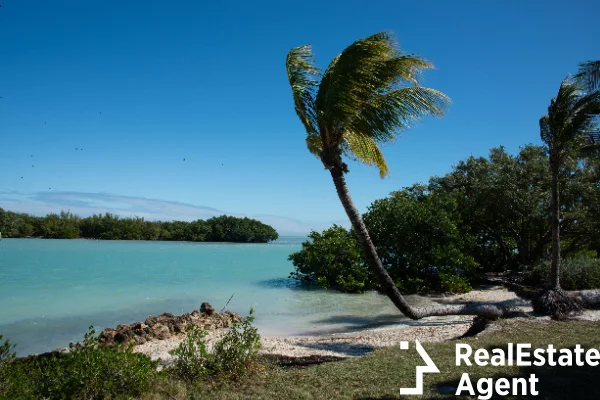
[52,290]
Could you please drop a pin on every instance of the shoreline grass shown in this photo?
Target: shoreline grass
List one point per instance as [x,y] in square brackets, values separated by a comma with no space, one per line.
[381,374]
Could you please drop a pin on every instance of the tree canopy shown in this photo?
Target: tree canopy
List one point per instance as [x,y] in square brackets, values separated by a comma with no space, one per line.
[112,227]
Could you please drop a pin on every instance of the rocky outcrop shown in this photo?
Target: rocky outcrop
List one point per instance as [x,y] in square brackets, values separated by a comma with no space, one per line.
[167,325]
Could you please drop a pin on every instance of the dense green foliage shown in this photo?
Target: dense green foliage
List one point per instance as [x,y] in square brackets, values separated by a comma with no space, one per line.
[231,357]
[87,371]
[333,260]
[487,214]
[90,370]
[112,227]
[577,272]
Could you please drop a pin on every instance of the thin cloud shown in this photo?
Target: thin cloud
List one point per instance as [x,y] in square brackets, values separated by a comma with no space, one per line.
[86,204]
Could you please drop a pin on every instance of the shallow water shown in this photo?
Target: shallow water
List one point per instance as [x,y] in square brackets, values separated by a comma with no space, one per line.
[52,290]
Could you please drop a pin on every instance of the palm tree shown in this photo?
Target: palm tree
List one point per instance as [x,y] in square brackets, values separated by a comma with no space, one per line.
[589,75]
[365,97]
[567,130]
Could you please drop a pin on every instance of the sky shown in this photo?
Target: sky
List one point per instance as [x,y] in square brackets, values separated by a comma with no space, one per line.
[182,109]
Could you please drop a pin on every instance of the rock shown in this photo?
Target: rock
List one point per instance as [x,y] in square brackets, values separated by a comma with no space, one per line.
[207,309]
[166,325]
[160,331]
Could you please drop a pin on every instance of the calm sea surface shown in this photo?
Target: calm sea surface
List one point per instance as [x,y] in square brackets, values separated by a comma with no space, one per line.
[51,291]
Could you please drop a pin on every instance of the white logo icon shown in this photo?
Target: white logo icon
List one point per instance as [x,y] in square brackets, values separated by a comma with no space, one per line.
[429,368]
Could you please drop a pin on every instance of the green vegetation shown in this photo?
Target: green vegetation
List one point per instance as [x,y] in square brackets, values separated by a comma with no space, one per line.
[88,371]
[568,130]
[486,215]
[92,371]
[577,272]
[232,354]
[381,374]
[112,227]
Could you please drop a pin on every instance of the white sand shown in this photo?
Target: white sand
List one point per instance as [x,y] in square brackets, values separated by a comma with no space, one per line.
[431,329]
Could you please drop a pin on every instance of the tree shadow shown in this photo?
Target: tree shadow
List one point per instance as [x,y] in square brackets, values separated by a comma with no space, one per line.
[512,303]
[288,283]
[347,349]
[355,323]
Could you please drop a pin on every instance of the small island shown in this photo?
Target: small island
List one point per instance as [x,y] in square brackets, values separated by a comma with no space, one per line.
[66,225]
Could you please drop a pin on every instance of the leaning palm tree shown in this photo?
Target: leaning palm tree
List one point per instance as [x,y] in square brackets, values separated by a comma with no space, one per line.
[567,130]
[366,96]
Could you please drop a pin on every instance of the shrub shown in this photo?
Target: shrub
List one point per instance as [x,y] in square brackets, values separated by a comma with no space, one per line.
[434,281]
[192,360]
[238,347]
[232,354]
[6,353]
[578,272]
[453,283]
[332,259]
[88,371]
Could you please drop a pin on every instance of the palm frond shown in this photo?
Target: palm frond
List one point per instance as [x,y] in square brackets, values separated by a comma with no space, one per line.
[572,119]
[545,131]
[589,74]
[383,117]
[303,77]
[364,71]
[365,150]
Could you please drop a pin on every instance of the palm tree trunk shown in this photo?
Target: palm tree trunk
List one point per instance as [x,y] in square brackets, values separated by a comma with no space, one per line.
[555,204]
[385,280]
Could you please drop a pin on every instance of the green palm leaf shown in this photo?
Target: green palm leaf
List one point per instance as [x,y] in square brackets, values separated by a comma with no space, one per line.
[303,77]
[366,96]
[365,150]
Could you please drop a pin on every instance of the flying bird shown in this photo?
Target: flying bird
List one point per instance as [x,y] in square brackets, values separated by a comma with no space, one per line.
[184,159]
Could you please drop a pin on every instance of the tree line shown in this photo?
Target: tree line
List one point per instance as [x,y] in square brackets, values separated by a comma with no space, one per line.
[487,215]
[108,226]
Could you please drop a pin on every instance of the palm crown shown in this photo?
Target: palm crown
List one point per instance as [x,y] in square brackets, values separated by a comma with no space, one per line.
[365,97]
[570,124]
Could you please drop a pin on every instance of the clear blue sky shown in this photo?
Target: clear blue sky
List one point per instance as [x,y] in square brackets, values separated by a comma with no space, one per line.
[141,85]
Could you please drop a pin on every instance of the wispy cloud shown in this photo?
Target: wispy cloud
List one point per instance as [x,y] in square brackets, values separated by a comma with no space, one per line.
[85,204]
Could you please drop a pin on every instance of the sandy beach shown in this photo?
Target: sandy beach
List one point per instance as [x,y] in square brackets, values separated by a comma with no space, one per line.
[362,341]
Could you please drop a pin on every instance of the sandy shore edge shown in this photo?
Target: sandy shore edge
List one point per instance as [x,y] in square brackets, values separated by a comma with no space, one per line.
[358,343]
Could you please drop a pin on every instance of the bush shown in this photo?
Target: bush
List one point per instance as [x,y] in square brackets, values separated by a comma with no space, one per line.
[192,360]
[232,354]
[432,280]
[453,283]
[238,348]
[578,272]
[6,353]
[332,259]
[88,371]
